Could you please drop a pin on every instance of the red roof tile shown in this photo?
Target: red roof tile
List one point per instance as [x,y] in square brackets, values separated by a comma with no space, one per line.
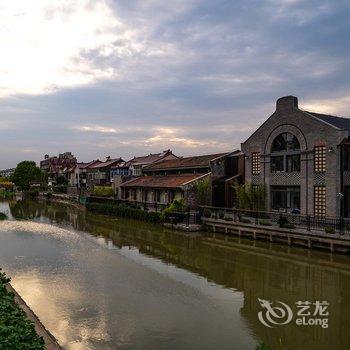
[188,162]
[151,158]
[156,181]
[106,164]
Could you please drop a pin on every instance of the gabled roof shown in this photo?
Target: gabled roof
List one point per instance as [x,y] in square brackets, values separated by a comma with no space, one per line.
[86,165]
[150,158]
[186,163]
[106,163]
[338,122]
[156,181]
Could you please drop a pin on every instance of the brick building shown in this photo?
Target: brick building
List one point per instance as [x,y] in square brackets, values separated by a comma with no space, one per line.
[303,159]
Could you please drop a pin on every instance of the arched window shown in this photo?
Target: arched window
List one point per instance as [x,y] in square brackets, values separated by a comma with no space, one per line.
[285,142]
[285,153]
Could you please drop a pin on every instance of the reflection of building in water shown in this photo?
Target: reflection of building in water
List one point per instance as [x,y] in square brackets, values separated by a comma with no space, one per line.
[254,268]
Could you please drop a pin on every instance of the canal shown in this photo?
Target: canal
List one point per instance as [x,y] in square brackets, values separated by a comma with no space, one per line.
[104,283]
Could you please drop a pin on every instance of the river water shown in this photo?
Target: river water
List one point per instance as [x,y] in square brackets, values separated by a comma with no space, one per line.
[106,283]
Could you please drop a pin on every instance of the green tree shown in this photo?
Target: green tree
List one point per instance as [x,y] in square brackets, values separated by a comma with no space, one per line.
[203,191]
[250,197]
[26,172]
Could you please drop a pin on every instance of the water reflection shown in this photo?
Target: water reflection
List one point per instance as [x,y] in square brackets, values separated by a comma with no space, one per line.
[154,288]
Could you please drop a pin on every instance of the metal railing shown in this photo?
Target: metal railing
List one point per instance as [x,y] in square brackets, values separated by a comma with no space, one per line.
[337,225]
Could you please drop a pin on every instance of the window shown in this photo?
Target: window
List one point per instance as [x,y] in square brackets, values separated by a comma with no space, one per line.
[285,142]
[346,158]
[320,201]
[285,198]
[320,159]
[287,156]
[293,163]
[277,164]
[256,163]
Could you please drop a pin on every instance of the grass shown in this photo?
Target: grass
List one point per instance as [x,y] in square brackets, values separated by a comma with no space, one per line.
[16,331]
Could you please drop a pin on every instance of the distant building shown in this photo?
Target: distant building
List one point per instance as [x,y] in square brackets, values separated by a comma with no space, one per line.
[137,164]
[99,174]
[303,159]
[176,178]
[78,174]
[57,166]
[7,172]
[127,170]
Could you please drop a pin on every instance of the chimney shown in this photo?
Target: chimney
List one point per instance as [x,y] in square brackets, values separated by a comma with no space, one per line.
[286,103]
[108,158]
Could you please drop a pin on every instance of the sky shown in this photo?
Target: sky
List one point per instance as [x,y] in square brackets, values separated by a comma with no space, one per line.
[132,77]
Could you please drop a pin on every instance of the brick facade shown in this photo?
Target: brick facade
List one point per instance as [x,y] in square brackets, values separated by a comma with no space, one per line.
[310,131]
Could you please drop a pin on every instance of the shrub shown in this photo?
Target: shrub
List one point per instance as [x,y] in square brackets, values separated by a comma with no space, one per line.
[16,331]
[265,223]
[59,189]
[3,216]
[33,192]
[176,207]
[4,194]
[282,221]
[246,221]
[329,229]
[103,191]
[289,226]
[48,195]
[206,213]
[124,212]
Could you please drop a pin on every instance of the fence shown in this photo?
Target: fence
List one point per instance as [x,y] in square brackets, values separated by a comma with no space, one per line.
[285,220]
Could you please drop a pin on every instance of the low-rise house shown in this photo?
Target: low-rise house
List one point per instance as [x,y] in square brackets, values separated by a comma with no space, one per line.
[99,174]
[177,178]
[77,174]
[57,166]
[127,170]
[137,164]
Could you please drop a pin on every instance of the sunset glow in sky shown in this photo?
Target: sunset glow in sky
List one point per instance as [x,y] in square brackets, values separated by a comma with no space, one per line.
[125,78]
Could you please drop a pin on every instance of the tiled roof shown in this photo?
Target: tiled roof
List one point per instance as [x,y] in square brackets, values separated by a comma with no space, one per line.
[86,165]
[170,181]
[106,164]
[338,122]
[188,162]
[151,158]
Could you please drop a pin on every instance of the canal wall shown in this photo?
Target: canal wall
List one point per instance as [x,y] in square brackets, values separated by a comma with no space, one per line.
[51,342]
[297,237]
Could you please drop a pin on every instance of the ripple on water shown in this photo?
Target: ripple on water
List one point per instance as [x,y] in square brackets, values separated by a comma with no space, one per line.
[36,228]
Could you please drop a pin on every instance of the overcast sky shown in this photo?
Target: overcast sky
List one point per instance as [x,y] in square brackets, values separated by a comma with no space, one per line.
[128,77]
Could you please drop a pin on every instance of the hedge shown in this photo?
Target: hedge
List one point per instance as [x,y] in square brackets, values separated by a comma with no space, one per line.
[124,212]
[16,331]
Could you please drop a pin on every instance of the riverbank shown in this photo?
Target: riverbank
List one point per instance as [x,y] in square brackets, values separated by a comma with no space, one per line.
[20,327]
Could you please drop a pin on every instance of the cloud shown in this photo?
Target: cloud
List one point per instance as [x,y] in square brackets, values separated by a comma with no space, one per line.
[41,42]
[111,77]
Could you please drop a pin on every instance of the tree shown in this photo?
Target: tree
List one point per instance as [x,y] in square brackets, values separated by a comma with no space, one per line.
[250,197]
[26,172]
[203,191]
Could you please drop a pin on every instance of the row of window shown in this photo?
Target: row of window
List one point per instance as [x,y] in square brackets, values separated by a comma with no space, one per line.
[290,162]
[287,198]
